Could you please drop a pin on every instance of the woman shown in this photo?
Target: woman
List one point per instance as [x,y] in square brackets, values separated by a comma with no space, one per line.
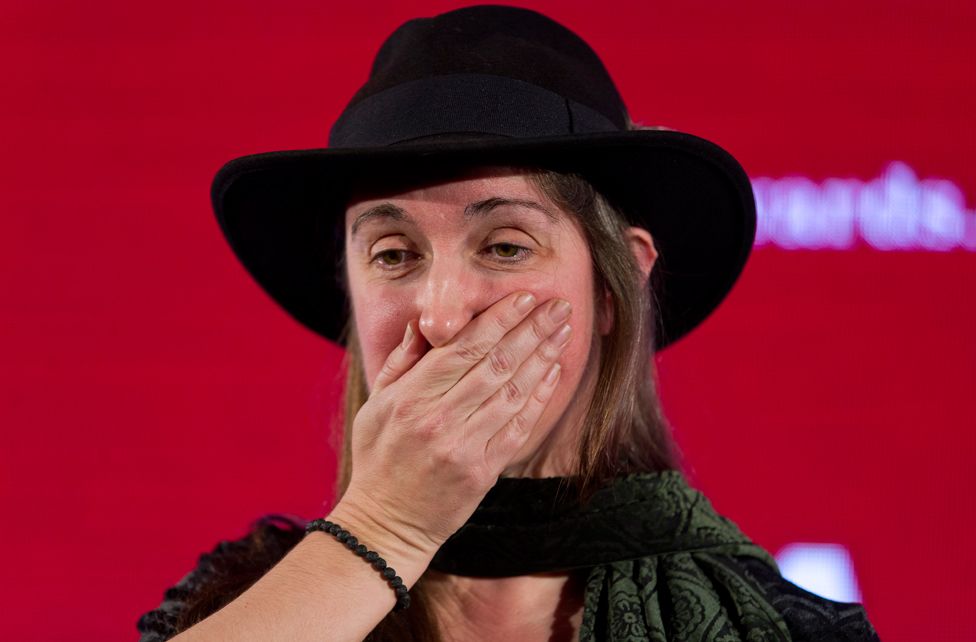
[511,253]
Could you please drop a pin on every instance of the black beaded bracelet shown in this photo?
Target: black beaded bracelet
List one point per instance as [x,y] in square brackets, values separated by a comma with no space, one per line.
[372,557]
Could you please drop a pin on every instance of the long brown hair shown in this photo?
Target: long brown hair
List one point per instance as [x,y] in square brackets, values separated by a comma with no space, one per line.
[624,431]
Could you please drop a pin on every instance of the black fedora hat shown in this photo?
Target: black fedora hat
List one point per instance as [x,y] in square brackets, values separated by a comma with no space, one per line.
[489,85]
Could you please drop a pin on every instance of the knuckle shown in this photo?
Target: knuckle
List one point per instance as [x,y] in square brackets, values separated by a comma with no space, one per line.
[540,395]
[450,455]
[438,363]
[499,361]
[436,422]
[471,350]
[404,411]
[511,393]
[502,322]
[441,458]
[479,476]
[540,330]
[547,353]
[518,425]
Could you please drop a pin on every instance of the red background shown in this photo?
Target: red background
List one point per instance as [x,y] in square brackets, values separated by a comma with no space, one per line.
[153,400]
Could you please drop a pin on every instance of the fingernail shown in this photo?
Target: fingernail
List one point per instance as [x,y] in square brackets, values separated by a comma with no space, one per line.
[552,374]
[562,335]
[524,302]
[559,310]
[408,336]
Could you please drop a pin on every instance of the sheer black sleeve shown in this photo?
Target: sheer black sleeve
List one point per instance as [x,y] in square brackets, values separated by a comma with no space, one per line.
[220,576]
[809,617]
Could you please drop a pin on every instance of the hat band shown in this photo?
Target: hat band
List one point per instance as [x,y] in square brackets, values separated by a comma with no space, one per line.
[463,103]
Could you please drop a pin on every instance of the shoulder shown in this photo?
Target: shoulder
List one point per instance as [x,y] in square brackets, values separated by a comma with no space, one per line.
[220,576]
[809,616]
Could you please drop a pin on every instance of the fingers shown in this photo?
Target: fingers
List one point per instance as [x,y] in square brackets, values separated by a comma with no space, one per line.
[447,364]
[504,445]
[403,357]
[512,368]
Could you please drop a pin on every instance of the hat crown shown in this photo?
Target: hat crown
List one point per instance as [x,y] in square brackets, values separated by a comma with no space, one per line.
[508,42]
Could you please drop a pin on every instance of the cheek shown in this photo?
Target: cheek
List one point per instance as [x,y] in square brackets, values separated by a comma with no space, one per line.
[577,289]
[574,284]
[380,324]
[575,356]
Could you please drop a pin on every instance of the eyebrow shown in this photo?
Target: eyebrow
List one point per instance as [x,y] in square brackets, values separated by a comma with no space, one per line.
[478,209]
[483,208]
[383,210]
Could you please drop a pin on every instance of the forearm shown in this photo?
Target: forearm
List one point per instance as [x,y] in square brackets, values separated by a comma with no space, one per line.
[319,590]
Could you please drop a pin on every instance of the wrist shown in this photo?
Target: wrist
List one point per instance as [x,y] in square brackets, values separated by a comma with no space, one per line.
[408,554]
[374,559]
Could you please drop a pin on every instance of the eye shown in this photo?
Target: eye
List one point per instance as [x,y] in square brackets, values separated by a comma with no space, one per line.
[391,258]
[396,258]
[506,250]
[510,252]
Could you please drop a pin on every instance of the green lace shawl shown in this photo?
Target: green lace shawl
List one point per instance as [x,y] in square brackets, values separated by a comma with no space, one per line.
[663,564]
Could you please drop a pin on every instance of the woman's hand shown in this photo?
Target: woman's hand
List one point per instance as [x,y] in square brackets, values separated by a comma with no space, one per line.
[441,425]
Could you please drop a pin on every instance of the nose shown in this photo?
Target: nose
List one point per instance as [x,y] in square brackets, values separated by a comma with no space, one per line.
[447,302]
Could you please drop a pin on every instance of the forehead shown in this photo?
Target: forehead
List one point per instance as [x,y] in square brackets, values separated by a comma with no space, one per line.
[463,190]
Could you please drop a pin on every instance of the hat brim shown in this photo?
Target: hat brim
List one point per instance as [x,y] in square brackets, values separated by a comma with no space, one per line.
[280,212]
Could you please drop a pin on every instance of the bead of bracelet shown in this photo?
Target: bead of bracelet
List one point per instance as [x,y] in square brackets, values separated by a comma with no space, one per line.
[371,557]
